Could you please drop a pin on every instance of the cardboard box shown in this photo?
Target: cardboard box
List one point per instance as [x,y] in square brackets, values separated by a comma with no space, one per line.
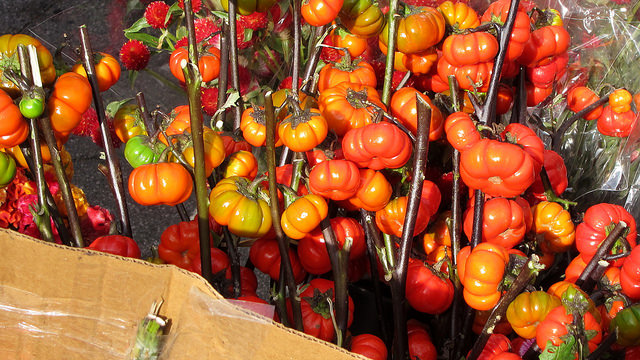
[58,302]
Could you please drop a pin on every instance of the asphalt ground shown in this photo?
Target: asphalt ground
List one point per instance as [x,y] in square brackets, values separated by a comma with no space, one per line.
[49,21]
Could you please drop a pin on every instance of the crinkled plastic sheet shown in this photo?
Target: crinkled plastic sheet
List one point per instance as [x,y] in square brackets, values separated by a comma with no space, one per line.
[76,328]
[66,324]
[605,51]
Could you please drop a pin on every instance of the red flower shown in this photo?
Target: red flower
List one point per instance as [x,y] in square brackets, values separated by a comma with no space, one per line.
[134,55]
[196,5]
[204,27]
[156,14]
[209,99]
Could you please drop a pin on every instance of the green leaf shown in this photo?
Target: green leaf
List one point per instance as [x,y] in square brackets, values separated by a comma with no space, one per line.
[174,10]
[181,32]
[248,34]
[148,40]
[137,26]
[563,352]
[232,98]
[114,106]
[221,15]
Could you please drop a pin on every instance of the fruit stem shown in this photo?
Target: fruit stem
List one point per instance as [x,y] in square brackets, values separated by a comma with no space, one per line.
[234,257]
[233,60]
[320,34]
[528,271]
[115,173]
[373,243]
[339,264]
[556,138]
[603,249]
[295,61]
[223,77]
[283,242]
[391,51]
[399,274]
[193,81]
[519,108]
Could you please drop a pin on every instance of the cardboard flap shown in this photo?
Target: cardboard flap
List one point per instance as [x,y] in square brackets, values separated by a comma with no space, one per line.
[58,302]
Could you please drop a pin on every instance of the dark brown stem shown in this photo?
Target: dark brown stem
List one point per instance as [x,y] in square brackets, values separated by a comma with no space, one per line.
[556,138]
[312,63]
[339,264]
[518,111]
[182,212]
[487,113]
[193,80]
[65,236]
[115,173]
[478,213]
[233,60]
[283,242]
[603,346]
[603,250]
[148,121]
[533,353]
[399,274]
[528,271]
[373,243]
[295,63]
[65,187]
[232,250]
[41,217]
[224,70]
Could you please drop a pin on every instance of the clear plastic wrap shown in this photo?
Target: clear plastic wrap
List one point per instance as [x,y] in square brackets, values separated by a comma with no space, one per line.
[604,55]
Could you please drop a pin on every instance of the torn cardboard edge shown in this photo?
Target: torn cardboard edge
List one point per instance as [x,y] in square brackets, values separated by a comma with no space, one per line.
[58,302]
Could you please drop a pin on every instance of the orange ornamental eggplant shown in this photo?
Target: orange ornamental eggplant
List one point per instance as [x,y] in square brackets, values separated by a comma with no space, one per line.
[523,135]
[554,328]
[348,106]
[554,225]
[461,131]
[213,151]
[611,123]
[475,75]
[528,309]
[469,49]
[404,107]
[70,98]
[374,192]
[243,164]
[335,179]
[362,17]
[208,63]
[481,275]
[421,29]
[356,72]
[356,45]
[598,221]
[160,184]
[503,222]
[13,128]
[377,146]
[497,12]
[233,203]
[580,97]
[620,100]
[253,127]
[545,43]
[459,14]
[320,12]
[390,220]
[127,122]
[107,70]
[303,215]
[8,45]
[303,131]
[497,168]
